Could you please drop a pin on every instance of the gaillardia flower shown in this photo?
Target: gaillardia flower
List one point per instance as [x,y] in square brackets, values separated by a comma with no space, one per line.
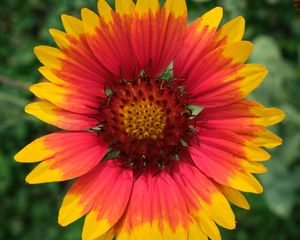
[122,86]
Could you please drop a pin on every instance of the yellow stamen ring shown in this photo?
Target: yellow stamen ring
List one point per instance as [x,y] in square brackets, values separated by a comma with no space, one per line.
[143,120]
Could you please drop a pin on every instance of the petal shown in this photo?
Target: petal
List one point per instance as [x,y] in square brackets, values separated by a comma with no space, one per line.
[246,118]
[205,203]
[78,82]
[232,31]
[245,182]
[73,100]
[195,232]
[51,114]
[253,167]
[104,191]
[176,7]
[235,197]
[211,19]
[231,143]
[79,65]
[221,77]
[73,64]
[109,38]
[60,38]
[105,11]
[72,25]
[63,158]
[49,75]
[90,21]
[125,7]
[220,156]
[198,37]
[157,34]
[108,236]
[156,210]
[110,202]
[50,56]
[143,7]
[37,150]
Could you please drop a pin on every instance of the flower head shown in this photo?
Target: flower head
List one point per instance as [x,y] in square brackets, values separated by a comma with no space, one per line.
[121,86]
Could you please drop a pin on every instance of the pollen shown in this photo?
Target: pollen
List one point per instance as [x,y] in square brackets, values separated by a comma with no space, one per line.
[143,120]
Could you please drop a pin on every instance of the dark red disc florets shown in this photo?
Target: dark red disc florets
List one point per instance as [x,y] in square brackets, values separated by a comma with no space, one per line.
[147,122]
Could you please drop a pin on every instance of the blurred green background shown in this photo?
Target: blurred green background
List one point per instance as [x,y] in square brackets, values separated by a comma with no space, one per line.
[30,212]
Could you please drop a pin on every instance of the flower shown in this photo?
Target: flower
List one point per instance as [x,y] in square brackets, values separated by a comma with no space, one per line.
[148,166]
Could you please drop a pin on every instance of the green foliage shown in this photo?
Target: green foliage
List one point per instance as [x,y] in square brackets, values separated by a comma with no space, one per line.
[30,212]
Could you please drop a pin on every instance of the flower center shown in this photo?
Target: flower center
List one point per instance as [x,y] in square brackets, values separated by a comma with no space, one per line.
[143,120]
[146,122]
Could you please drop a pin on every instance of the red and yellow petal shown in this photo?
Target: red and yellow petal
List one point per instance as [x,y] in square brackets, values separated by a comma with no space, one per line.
[231,32]
[54,115]
[113,194]
[74,63]
[221,156]
[70,99]
[73,26]
[64,156]
[157,35]
[81,58]
[49,56]
[211,61]
[109,38]
[246,118]
[156,210]
[205,203]
[103,194]
[232,143]
[124,7]
[199,35]
[221,77]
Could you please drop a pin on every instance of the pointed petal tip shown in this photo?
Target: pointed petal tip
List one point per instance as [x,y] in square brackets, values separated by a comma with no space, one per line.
[240,20]
[29,179]
[177,7]
[33,88]
[259,190]
[52,30]
[84,12]
[18,157]
[248,44]
[217,10]
[37,88]
[90,21]
[39,175]
[34,181]
[248,207]
[67,19]
[264,70]
[279,141]
[281,114]
[63,17]
[29,107]
[61,220]
[36,50]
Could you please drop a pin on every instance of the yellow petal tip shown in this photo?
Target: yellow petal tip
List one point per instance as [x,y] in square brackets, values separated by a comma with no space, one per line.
[28,108]
[18,157]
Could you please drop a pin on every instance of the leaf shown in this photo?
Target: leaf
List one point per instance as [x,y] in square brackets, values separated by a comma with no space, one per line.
[194,109]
